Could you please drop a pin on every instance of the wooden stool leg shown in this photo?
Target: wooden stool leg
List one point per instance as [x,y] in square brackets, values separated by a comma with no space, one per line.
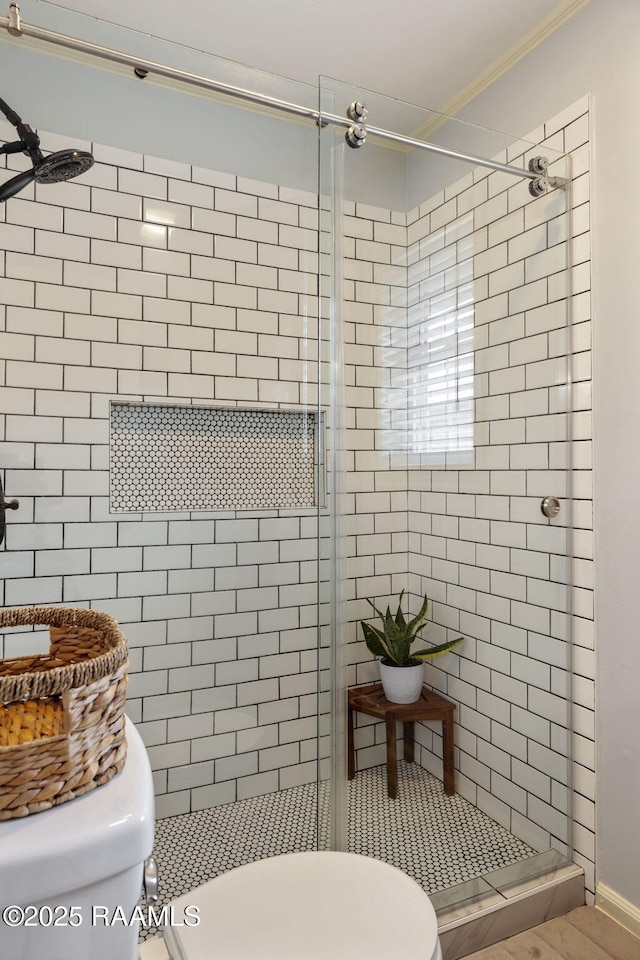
[392,760]
[351,753]
[447,755]
[408,740]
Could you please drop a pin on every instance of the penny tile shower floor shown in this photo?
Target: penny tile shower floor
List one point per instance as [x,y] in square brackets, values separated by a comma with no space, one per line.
[440,841]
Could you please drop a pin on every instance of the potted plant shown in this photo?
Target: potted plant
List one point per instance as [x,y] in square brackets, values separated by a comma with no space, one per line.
[401,670]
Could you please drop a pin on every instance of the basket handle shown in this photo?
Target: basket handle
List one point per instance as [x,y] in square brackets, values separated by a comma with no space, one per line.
[33,686]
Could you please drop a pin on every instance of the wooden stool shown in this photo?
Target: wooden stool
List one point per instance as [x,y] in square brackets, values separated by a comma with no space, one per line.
[371,700]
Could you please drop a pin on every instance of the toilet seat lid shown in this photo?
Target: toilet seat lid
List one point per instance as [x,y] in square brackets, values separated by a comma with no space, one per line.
[314,905]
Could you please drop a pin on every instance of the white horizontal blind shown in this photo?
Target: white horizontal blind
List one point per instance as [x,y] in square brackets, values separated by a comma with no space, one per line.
[440,355]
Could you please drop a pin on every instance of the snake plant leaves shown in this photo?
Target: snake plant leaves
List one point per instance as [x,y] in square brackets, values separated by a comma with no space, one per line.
[436,650]
[413,624]
[375,641]
[393,641]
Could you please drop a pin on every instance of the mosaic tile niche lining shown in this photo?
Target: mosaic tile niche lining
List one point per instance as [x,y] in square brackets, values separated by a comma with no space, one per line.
[211,458]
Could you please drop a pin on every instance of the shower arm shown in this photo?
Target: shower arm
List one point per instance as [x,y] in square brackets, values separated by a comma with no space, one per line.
[29,141]
[15,26]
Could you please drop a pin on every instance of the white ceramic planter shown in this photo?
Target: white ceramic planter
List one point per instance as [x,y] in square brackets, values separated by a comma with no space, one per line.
[402,684]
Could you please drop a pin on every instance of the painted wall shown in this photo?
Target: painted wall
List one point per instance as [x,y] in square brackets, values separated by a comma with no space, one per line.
[597,53]
[104,103]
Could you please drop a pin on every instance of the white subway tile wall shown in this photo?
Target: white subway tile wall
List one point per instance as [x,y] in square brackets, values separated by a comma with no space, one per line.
[479,430]
[149,282]
[155,283]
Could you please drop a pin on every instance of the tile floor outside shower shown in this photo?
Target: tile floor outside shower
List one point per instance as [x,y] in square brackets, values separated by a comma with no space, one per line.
[441,841]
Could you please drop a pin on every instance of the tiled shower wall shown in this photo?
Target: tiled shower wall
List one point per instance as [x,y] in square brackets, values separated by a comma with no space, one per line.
[375,499]
[497,567]
[478,545]
[151,280]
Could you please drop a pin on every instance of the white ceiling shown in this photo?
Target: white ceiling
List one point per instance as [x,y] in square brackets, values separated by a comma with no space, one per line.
[423,51]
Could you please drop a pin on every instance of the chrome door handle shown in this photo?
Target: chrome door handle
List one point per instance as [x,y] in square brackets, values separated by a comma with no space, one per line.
[550,506]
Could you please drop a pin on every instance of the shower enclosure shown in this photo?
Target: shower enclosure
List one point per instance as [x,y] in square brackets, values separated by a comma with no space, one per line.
[258,375]
[447,284]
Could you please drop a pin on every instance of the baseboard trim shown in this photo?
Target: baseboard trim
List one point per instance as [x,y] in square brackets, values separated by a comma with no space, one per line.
[618,908]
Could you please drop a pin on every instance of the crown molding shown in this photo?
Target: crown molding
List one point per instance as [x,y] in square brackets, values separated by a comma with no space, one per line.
[503,64]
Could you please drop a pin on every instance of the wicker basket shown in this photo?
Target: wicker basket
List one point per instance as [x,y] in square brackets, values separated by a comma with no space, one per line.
[61,713]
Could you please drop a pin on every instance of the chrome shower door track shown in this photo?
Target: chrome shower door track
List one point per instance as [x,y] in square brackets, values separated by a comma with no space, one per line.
[17,28]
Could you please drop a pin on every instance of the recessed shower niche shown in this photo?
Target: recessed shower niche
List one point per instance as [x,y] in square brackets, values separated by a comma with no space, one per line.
[186,457]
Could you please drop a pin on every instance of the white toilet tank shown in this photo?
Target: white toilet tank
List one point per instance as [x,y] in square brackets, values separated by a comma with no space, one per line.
[64,872]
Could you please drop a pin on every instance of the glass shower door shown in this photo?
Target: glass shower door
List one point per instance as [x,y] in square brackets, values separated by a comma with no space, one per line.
[447,311]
